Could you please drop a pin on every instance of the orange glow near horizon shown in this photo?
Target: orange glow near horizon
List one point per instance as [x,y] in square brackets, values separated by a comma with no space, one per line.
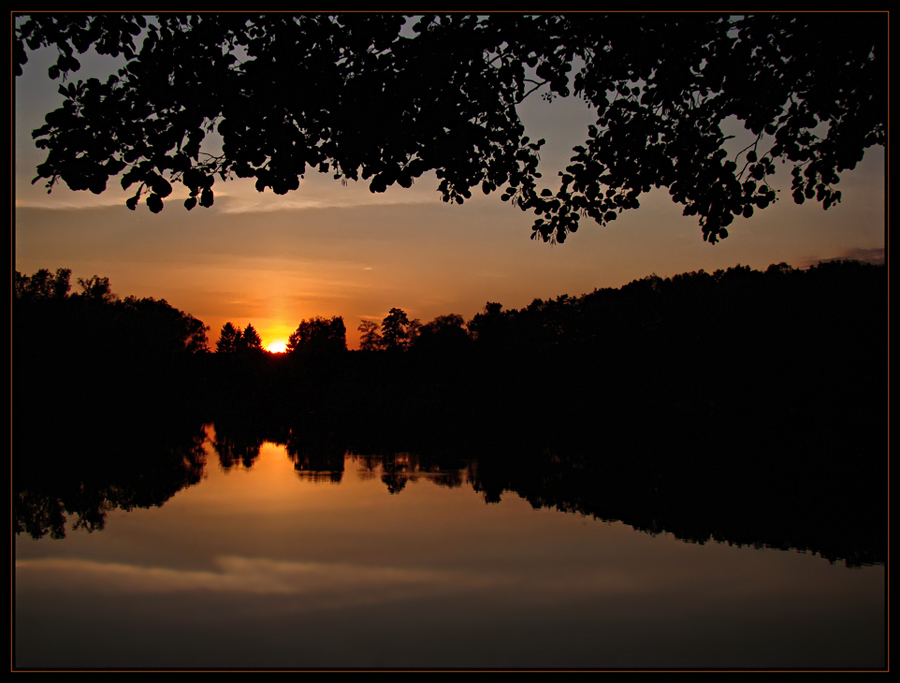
[279,346]
[330,249]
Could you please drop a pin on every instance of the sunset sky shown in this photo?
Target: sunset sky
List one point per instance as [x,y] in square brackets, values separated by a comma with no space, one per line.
[329,249]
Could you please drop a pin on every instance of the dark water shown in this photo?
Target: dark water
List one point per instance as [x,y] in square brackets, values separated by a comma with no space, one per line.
[235,549]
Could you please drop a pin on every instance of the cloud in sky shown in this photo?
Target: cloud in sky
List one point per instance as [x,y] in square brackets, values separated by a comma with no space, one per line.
[875,255]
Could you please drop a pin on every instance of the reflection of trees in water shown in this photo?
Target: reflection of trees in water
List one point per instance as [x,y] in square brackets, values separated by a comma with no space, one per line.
[78,472]
[236,450]
[316,466]
[792,478]
[701,484]
[735,488]
[782,482]
[317,455]
[398,469]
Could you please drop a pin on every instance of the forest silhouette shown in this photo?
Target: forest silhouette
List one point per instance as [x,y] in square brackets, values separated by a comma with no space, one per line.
[742,406]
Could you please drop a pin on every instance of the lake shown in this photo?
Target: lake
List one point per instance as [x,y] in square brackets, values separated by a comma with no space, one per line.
[253,553]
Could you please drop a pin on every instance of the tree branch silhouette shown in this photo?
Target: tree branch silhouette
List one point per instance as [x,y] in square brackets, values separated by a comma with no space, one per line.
[371,97]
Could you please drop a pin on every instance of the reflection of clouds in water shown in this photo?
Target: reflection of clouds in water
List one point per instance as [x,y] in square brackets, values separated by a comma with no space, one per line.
[320,584]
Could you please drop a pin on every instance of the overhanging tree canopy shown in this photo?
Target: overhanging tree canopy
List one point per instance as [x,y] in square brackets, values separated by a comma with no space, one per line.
[369,96]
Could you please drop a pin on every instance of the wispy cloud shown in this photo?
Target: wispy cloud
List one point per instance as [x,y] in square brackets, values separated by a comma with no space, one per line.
[873,255]
[248,204]
[75,203]
[235,197]
[858,254]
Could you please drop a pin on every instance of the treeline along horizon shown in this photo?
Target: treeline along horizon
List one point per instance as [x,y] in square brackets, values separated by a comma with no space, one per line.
[697,335]
[647,302]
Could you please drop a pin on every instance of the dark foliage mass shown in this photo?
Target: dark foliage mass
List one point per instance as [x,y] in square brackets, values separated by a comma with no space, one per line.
[57,321]
[236,340]
[386,98]
[93,349]
[319,336]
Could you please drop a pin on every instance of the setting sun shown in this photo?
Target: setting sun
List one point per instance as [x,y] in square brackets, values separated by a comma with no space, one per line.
[276,347]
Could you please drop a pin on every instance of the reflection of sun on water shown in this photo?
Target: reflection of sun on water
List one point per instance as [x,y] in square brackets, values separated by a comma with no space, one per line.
[276,347]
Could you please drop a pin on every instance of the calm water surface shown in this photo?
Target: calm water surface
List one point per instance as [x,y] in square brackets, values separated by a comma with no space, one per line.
[378,566]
